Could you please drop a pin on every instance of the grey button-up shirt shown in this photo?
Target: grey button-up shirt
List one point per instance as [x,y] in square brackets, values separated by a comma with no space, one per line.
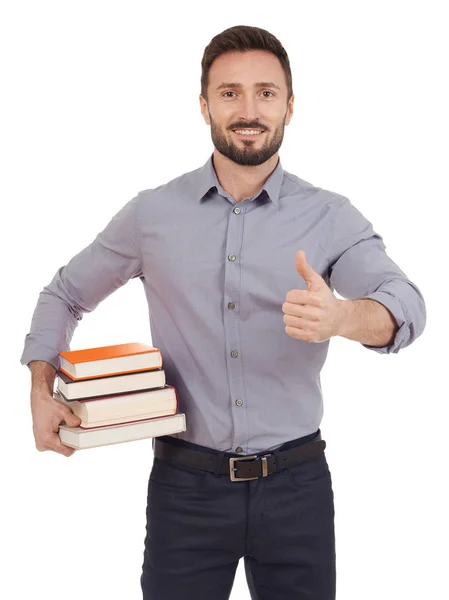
[215,273]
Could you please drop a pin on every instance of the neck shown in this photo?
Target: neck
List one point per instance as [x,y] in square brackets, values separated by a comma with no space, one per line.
[241,181]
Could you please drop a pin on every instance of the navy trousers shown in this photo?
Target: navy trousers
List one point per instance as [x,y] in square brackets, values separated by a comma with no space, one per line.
[200,524]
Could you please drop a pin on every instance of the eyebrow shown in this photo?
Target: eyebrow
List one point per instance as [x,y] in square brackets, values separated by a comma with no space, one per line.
[259,84]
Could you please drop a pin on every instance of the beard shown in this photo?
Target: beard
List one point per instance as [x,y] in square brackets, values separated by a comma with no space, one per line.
[247,154]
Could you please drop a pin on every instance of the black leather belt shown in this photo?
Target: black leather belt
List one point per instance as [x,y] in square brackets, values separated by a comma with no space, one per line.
[239,468]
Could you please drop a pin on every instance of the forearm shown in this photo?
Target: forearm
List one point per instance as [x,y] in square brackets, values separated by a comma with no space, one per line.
[366,321]
[42,375]
[52,326]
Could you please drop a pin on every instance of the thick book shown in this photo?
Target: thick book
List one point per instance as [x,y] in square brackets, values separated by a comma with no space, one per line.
[122,408]
[109,360]
[73,389]
[80,439]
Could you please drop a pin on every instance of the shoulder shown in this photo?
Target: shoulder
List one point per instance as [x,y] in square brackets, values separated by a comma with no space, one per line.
[179,185]
[294,185]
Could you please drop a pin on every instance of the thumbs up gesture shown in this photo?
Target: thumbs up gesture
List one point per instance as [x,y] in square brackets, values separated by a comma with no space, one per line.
[312,315]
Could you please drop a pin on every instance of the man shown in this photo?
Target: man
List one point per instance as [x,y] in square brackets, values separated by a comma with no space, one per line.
[238,260]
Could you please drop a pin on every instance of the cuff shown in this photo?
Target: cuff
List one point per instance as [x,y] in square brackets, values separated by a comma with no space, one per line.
[38,352]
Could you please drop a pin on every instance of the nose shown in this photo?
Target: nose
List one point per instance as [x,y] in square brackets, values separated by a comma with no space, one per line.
[248,110]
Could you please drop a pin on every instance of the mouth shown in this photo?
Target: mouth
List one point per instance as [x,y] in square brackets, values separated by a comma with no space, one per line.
[248,134]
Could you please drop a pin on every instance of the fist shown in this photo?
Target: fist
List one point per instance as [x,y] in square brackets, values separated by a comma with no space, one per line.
[311,315]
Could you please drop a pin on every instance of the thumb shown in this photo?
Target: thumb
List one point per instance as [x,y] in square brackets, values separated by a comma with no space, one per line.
[311,277]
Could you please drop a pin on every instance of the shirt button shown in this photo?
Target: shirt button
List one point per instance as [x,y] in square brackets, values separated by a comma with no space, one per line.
[236,210]
[239,449]
[234,354]
[239,402]
[231,305]
[231,257]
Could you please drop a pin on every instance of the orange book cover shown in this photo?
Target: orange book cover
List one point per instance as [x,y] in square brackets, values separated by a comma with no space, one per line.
[104,352]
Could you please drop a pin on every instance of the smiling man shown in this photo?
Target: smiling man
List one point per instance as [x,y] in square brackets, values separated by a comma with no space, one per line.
[239,260]
[247,102]
[248,142]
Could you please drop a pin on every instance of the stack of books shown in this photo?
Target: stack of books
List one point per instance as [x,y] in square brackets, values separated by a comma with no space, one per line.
[119,393]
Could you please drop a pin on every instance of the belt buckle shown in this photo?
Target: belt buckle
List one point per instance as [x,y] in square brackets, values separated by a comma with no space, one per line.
[234,459]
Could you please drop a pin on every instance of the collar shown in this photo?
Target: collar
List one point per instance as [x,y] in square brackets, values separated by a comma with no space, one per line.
[208,180]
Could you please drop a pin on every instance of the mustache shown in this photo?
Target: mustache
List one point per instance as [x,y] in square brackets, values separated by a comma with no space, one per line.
[248,126]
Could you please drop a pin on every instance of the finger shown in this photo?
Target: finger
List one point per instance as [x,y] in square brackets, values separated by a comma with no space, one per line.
[65,414]
[54,442]
[70,419]
[312,313]
[60,448]
[299,323]
[299,334]
[303,297]
[67,417]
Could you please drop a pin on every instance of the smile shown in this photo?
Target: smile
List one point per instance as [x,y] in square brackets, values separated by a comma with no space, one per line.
[246,133]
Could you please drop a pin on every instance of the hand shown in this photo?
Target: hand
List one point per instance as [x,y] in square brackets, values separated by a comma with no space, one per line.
[48,413]
[312,315]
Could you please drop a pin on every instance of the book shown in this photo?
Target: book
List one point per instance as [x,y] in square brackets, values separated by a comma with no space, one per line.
[121,408]
[76,389]
[80,439]
[109,360]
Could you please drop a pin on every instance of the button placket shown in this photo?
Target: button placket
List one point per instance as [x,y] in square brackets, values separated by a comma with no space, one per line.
[231,324]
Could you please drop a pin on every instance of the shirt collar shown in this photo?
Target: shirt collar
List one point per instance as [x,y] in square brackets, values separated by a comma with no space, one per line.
[208,180]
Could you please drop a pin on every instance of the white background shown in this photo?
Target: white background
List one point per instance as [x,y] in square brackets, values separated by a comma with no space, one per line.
[99,101]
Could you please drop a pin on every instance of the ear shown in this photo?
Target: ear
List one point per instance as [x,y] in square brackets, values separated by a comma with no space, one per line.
[204,110]
[289,110]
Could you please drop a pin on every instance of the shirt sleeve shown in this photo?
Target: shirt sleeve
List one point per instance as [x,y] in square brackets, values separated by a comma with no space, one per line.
[361,268]
[106,264]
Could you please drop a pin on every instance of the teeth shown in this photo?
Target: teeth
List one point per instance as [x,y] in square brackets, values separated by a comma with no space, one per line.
[248,131]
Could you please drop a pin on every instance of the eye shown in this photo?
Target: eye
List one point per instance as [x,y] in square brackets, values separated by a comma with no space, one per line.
[264,92]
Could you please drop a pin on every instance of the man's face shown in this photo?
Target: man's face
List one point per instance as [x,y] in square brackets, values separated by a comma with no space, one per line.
[247,90]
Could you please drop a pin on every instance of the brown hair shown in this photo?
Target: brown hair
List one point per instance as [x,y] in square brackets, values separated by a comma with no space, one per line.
[242,38]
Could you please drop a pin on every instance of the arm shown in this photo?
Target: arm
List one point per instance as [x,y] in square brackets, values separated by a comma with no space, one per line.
[360,270]
[107,263]
[42,375]
[366,321]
